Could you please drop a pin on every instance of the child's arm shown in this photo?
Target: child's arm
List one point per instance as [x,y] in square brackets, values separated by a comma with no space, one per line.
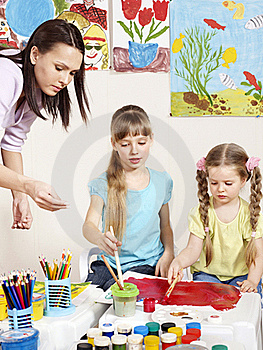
[166,237]
[105,241]
[187,257]
[255,270]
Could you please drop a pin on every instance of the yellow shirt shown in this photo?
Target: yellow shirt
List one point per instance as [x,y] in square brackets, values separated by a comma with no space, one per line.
[229,241]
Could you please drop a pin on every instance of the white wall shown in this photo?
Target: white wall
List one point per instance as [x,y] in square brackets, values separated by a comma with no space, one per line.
[69,160]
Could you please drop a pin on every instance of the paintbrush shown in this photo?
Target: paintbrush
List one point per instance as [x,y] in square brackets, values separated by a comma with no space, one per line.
[118,264]
[170,289]
[112,272]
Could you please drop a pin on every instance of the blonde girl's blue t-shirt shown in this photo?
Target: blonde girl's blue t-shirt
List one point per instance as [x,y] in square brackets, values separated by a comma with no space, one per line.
[141,243]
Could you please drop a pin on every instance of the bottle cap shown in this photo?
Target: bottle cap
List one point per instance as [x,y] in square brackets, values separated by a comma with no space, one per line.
[168,338]
[107,327]
[153,326]
[93,332]
[130,290]
[144,330]
[219,347]
[215,319]
[124,328]
[199,342]
[188,338]
[101,340]
[194,331]
[176,330]
[151,340]
[84,346]
[135,339]
[193,325]
[118,339]
[165,326]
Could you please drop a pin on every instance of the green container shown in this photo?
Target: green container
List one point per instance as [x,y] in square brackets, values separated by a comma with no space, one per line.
[124,301]
[219,347]
[153,328]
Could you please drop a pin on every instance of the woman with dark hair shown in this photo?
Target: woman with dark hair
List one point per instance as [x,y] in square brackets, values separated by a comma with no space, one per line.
[32,79]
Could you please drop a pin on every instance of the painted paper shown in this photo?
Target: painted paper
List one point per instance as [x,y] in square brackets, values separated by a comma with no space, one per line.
[141,36]
[216,58]
[19,18]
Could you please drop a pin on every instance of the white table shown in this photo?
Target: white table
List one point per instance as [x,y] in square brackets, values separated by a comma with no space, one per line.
[58,333]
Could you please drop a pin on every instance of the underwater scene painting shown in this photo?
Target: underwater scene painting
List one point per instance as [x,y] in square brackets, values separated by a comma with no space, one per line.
[216,58]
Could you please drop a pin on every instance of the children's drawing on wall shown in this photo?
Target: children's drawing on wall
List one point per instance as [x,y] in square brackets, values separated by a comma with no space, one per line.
[216,58]
[141,36]
[19,18]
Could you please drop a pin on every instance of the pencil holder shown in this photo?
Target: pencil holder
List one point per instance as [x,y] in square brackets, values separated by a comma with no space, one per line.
[58,298]
[20,318]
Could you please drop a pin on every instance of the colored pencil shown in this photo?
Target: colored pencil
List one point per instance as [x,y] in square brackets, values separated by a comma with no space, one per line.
[112,272]
[118,264]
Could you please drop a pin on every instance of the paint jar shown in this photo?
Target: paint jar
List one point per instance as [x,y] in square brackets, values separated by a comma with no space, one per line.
[143,330]
[188,338]
[135,341]
[20,318]
[151,342]
[3,307]
[92,333]
[168,339]
[38,306]
[219,347]
[194,331]
[153,328]
[200,343]
[84,346]
[124,301]
[119,342]
[165,326]
[193,325]
[20,339]
[107,329]
[101,342]
[178,331]
[148,304]
[124,329]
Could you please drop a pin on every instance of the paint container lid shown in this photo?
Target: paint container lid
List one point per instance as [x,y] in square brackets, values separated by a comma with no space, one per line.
[135,339]
[148,304]
[215,319]
[219,347]
[21,335]
[188,338]
[101,340]
[193,325]
[93,332]
[153,326]
[176,330]
[119,339]
[194,331]
[84,346]
[130,290]
[165,326]
[199,342]
[107,327]
[124,328]
[168,338]
[144,330]
[151,340]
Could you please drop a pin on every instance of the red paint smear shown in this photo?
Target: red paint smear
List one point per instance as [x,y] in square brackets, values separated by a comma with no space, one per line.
[220,296]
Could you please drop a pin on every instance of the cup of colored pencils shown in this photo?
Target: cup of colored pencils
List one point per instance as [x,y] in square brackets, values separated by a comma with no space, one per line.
[60,269]
[18,287]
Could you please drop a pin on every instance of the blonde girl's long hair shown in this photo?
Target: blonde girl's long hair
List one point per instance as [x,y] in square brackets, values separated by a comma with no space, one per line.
[230,154]
[133,121]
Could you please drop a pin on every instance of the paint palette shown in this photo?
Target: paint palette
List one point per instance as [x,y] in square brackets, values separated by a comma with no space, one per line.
[178,314]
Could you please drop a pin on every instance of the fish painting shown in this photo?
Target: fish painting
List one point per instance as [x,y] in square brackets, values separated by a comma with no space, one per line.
[178,44]
[227,81]
[213,24]
[240,8]
[255,22]
[252,79]
[229,56]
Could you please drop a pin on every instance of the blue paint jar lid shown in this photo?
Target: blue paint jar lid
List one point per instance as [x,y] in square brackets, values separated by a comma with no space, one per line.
[107,327]
[193,325]
[21,335]
[144,330]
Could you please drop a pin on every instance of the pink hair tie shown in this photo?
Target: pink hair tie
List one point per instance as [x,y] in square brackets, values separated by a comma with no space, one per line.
[252,163]
[206,229]
[253,234]
[201,164]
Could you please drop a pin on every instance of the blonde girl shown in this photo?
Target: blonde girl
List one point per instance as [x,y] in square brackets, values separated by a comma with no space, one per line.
[225,243]
[133,199]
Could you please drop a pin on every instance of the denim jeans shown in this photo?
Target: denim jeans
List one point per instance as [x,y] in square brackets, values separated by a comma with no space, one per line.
[103,278]
[205,277]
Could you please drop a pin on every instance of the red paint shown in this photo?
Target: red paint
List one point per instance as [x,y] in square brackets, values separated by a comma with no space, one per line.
[148,304]
[220,296]
[167,345]
[213,24]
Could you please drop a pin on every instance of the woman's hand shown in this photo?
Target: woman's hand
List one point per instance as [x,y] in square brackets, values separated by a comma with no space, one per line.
[163,264]
[21,212]
[247,286]
[108,243]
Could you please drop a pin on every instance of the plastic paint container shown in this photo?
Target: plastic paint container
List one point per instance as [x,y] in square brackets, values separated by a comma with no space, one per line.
[194,331]
[143,330]
[92,333]
[188,338]
[179,332]
[38,306]
[193,325]
[107,329]
[199,342]
[3,307]
[84,346]
[119,342]
[135,341]
[153,328]
[124,301]
[124,329]
[168,339]
[102,343]
[165,326]
[151,342]
[20,339]
[219,347]
[148,304]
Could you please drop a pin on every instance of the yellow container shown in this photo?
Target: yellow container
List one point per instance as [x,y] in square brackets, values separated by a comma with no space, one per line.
[151,342]
[3,307]
[178,331]
[38,306]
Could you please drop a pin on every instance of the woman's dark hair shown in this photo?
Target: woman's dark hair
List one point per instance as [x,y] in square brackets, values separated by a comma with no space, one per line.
[45,37]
